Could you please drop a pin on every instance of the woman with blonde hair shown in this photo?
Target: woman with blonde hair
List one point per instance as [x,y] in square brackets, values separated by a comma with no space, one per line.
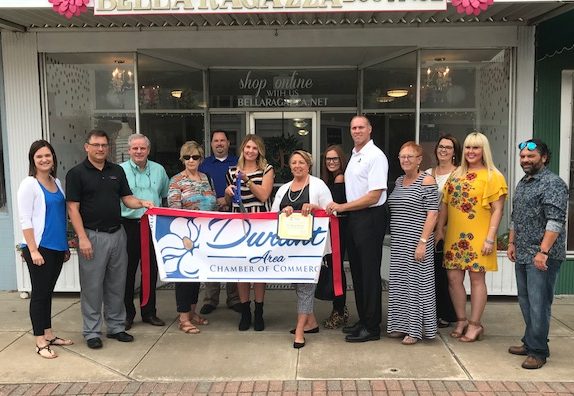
[304,193]
[256,184]
[473,203]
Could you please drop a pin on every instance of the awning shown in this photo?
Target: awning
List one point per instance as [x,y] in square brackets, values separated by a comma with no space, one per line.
[26,17]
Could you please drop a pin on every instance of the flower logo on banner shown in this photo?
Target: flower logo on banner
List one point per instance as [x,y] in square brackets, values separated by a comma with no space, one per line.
[470,7]
[177,248]
[69,8]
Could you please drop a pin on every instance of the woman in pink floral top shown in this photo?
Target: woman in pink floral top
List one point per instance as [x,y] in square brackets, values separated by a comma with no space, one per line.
[473,202]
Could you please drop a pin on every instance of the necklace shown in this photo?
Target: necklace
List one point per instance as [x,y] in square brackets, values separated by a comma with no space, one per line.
[300,191]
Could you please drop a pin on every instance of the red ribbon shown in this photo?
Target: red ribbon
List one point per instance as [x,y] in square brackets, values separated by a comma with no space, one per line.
[144,233]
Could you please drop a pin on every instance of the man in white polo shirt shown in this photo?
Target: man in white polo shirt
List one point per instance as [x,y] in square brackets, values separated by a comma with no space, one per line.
[366,188]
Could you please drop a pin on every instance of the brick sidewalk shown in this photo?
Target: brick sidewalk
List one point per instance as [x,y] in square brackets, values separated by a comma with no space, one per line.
[294,388]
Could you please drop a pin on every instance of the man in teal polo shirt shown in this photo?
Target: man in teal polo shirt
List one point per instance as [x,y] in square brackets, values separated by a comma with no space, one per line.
[148,180]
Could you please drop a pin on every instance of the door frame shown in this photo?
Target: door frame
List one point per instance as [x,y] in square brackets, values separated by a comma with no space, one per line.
[289,115]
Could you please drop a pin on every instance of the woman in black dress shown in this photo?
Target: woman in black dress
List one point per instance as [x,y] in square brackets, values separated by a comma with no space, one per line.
[333,174]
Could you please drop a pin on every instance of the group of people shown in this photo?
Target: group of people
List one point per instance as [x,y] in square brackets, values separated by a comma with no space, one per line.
[443,224]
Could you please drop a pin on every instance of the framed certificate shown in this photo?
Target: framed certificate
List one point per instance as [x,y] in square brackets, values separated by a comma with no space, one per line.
[295,226]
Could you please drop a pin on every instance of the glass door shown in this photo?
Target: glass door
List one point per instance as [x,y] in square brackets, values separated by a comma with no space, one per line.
[284,132]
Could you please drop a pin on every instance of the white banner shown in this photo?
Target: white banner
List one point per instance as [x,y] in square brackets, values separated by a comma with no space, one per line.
[133,7]
[210,249]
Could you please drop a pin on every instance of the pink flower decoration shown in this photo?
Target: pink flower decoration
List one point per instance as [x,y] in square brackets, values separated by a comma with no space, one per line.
[470,7]
[69,8]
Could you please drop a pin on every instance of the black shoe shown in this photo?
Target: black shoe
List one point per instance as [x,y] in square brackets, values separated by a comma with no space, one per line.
[362,336]
[310,331]
[129,323]
[352,329]
[245,321]
[236,307]
[122,336]
[258,322]
[152,320]
[299,345]
[207,309]
[94,343]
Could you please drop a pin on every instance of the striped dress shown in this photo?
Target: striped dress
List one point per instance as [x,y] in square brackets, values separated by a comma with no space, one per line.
[250,202]
[412,306]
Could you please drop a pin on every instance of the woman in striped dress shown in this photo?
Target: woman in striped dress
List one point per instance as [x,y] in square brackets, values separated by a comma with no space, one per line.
[414,209]
[256,177]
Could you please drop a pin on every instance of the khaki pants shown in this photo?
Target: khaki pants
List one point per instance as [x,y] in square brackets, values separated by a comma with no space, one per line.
[211,295]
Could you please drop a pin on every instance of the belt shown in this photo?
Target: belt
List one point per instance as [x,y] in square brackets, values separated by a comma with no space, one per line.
[109,230]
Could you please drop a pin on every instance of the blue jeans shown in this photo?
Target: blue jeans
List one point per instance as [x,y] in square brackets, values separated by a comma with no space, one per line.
[535,295]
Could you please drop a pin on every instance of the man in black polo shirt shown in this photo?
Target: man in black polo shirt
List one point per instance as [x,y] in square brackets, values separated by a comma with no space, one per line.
[93,191]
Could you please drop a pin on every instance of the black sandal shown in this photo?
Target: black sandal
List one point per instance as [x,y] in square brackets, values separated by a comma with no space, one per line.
[46,348]
[60,342]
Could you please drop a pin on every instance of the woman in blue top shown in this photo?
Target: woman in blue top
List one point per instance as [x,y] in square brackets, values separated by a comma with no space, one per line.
[42,210]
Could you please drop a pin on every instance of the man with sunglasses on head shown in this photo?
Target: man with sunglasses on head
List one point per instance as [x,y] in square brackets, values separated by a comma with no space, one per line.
[94,189]
[216,167]
[147,179]
[537,245]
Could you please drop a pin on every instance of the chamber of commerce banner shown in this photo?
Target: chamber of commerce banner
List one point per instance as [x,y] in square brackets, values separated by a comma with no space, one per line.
[196,246]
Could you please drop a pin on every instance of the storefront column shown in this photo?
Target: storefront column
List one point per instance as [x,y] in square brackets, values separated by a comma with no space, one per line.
[23,111]
[524,92]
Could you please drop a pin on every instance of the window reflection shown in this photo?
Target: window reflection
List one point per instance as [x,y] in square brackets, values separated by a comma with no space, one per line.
[84,92]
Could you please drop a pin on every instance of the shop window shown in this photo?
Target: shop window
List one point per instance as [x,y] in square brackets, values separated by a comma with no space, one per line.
[391,84]
[89,91]
[167,133]
[285,88]
[171,107]
[463,91]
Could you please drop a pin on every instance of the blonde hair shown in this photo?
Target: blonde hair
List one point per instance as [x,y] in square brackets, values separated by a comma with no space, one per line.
[479,140]
[261,161]
[189,147]
[305,155]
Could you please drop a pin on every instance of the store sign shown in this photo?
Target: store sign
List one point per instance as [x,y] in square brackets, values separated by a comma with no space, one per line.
[287,90]
[132,7]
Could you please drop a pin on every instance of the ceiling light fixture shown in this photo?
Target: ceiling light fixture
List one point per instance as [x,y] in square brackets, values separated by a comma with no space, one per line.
[176,93]
[122,80]
[303,132]
[397,93]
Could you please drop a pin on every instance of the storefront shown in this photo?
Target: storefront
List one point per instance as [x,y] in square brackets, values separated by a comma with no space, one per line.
[296,79]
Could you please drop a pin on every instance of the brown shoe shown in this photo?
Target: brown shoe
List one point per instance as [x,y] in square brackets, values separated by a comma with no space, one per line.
[518,350]
[533,363]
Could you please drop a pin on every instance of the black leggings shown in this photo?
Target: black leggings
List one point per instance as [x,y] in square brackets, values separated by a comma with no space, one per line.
[186,294]
[43,279]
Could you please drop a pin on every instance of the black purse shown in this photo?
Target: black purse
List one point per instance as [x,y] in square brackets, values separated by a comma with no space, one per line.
[325,290]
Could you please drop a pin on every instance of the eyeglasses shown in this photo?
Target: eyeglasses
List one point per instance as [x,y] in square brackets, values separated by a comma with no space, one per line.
[193,157]
[332,159]
[99,146]
[408,157]
[529,145]
[441,147]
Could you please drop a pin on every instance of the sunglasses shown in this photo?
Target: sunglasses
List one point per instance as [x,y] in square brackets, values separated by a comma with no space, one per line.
[193,157]
[528,145]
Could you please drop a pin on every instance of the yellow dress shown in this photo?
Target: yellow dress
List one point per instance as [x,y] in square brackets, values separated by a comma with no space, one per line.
[468,199]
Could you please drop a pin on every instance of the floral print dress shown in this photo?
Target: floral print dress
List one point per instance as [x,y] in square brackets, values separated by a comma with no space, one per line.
[468,199]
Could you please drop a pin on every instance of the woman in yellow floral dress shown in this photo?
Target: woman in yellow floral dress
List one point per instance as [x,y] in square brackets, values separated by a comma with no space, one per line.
[473,202]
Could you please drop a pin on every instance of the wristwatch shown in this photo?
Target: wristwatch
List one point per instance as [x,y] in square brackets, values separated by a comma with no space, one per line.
[542,251]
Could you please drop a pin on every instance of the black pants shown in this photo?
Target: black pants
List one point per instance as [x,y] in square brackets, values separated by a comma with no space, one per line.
[132,228]
[186,295]
[43,279]
[444,308]
[365,233]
